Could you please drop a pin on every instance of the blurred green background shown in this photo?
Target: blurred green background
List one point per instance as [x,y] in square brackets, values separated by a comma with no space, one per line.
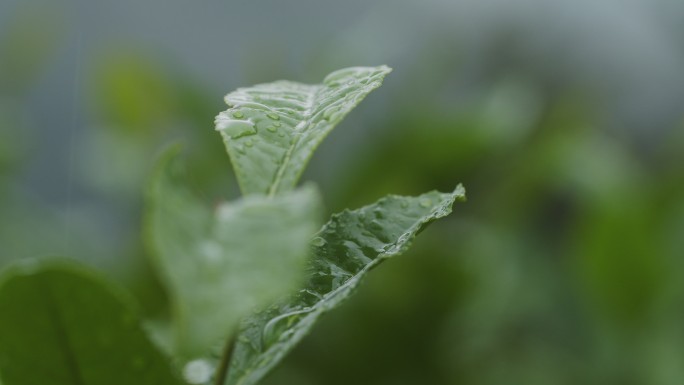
[564,119]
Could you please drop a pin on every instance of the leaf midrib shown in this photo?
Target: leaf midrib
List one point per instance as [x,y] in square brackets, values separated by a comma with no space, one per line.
[298,133]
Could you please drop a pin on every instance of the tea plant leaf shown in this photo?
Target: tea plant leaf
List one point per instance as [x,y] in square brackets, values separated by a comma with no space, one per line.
[271,130]
[222,264]
[347,247]
[62,325]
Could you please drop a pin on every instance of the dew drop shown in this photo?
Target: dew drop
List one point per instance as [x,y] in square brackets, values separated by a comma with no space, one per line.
[318,242]
[281,134]
[234,128]
[404,204]
[276,124]
[336,116]
[273,116]
[238,114]
[328,113]
[249,143]
[197,372]
[425,202]
[272,128]
[339,76]
[312,293]
[271,333]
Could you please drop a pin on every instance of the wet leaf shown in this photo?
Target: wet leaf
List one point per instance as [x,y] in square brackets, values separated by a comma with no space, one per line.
[222,264]
[345,250]
[271,130]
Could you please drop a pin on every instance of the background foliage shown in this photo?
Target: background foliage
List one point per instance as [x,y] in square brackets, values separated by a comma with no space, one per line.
[563,120]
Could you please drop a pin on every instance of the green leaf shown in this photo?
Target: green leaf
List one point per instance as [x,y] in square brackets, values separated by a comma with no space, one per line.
[62,325]
[271,130]
[349,246]
[222,264]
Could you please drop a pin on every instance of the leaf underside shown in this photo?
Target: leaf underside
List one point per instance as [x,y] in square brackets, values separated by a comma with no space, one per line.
[220,265]
[347,247]
[61,325]
[271,130]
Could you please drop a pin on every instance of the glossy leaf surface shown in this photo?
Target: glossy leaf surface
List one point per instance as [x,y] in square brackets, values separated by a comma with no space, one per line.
[345,250]
[271,130]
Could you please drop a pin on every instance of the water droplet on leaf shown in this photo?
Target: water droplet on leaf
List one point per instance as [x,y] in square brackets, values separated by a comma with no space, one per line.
[235,128]
[271,332]
[318,242]
[328,113]
[339,76]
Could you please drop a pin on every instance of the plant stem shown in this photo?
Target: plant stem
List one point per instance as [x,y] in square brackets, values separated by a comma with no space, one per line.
[222,371]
